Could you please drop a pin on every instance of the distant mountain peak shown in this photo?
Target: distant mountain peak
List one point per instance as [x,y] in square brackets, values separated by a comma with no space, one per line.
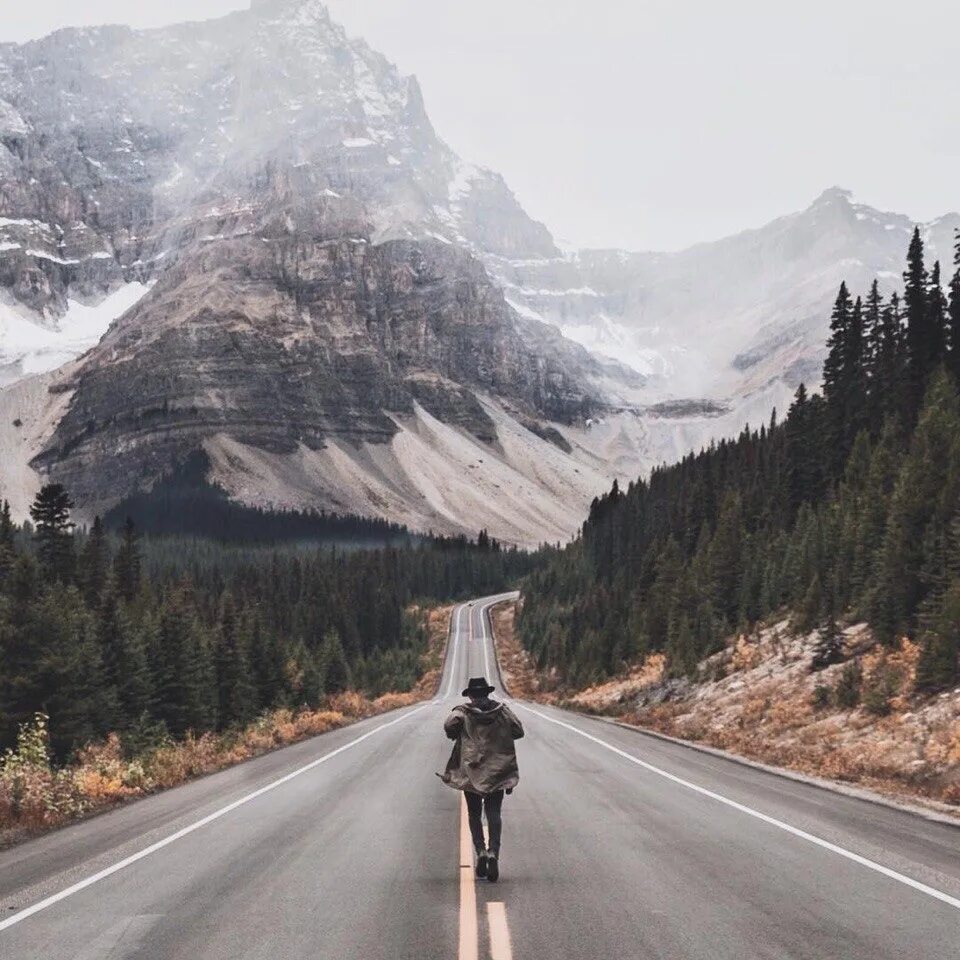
[833,195]
[310,7]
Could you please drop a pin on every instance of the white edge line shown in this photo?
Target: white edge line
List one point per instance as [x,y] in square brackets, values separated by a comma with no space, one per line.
[451,652]
[493,602]
[484,640]
[455,644]
[780,824]
[223,811]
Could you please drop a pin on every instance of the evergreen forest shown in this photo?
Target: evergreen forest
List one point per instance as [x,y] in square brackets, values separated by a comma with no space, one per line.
[154,636]
[846,509]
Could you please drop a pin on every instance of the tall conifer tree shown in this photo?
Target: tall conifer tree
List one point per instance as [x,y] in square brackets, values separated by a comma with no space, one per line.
[94,563]
[50,512]
[937,319]
[918,337]
[953,315]
[126,564]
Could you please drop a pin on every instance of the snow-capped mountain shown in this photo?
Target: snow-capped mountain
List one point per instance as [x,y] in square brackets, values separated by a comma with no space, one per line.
[287,251]
[118,146]
[253,235]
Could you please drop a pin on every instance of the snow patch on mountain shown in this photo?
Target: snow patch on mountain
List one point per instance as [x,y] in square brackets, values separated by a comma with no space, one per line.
[28,345]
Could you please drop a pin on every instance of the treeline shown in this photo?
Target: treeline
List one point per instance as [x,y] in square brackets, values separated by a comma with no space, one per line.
[848,508]
[153,637]
[186,503]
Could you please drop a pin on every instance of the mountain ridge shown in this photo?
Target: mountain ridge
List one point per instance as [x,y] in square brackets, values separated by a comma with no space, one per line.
[361,284]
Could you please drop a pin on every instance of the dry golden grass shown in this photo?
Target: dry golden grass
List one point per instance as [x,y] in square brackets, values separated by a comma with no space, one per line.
[746,654]
[519,671]
[759,704]
[763,709]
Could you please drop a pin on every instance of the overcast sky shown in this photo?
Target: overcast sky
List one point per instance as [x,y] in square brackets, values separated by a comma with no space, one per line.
[649,124]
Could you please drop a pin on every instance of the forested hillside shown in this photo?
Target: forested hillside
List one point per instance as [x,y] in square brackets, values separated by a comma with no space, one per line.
[185,503]
[848,508]
[151,637]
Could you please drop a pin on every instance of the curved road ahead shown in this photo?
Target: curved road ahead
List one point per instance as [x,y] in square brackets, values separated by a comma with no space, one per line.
[616,845]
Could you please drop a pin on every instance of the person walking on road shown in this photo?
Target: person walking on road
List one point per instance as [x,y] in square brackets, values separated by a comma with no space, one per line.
[483,765]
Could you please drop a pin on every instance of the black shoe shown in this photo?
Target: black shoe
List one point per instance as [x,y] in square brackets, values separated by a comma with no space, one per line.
[482,865]
[493,867]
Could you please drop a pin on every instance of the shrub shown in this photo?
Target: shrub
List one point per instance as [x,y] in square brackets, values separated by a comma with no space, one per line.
[881,688]
[32,793]
[821,697]
[829,646]
[847,691]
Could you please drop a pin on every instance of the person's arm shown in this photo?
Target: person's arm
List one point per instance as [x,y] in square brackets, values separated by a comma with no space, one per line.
[453,725]
[516,727]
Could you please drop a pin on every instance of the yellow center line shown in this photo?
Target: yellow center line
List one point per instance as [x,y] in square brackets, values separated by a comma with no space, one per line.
[469,935]
[500,948]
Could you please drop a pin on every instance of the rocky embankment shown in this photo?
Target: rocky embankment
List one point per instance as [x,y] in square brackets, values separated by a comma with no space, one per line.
[860,721]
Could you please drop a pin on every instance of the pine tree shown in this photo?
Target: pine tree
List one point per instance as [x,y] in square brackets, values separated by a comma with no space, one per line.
[829,646]
[804,473]
[6,525]
[187,688]
[925,491]
[888,390]
[953,316]
[236,692]
[267,659]
[938,667]
[856,370]
[872,317]
[919,340]
[20,649]
[94,563]
[335,668]
[725,559]
[681,648]
[50,662]
[845,381]
[126,565]
[74,695]
[126,668]
[811,608]
[937,319]
[847,691]
[7,542]
[835,371]
[50,512]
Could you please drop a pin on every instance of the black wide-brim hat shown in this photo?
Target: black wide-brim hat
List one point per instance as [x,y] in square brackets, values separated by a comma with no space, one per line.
[477,687]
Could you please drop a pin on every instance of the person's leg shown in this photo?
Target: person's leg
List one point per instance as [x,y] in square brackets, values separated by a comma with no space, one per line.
[493,802]
[474,811]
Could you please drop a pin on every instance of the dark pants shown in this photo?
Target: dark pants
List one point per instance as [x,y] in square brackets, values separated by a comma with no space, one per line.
[476,804]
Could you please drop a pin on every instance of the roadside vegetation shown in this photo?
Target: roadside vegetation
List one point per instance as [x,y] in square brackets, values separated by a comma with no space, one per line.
[37,792]
[129,663]
[860,720]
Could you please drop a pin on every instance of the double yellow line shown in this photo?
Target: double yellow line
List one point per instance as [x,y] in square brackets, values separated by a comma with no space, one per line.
[497,927]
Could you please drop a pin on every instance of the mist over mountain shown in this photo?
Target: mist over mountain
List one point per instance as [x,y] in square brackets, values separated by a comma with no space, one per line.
[268,253]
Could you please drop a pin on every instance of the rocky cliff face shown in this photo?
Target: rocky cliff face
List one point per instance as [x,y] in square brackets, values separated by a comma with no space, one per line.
[117,147]
[282,342]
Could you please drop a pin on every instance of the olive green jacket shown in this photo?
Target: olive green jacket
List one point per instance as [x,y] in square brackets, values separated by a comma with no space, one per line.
[484,758]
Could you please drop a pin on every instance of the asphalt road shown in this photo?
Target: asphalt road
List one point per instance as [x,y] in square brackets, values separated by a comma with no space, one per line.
[616,845]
